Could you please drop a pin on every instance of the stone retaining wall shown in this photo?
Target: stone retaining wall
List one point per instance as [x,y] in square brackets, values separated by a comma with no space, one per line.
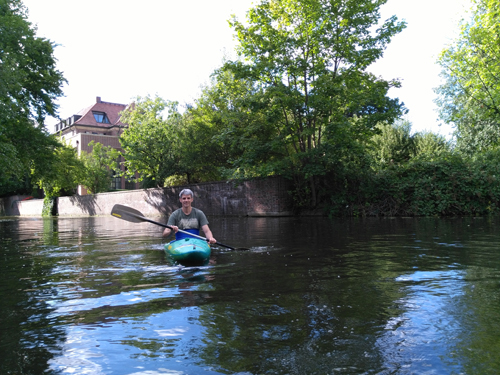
[20,205]
[257,197]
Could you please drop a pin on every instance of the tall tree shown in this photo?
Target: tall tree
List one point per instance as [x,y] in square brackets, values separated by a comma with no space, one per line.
[431,146]
[58,173]
[394,145]
[29,85]
[99,164]
[151,140]
[230,128]
[309,59]
[470,96]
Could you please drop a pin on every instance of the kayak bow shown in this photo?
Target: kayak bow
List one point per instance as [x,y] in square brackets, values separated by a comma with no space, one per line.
[188,251]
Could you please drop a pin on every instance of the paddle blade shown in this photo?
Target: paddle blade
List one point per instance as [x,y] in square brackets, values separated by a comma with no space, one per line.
[127,213]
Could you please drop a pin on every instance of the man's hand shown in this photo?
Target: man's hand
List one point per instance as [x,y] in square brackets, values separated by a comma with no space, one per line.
[168,231]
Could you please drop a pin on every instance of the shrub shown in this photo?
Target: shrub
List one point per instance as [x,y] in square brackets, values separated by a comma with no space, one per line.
[447,185]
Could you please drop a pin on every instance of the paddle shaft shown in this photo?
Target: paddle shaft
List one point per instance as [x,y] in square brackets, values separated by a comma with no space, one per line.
[168,226]
[142,218]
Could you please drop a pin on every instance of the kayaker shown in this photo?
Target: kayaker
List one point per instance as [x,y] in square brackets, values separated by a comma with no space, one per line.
[189,219]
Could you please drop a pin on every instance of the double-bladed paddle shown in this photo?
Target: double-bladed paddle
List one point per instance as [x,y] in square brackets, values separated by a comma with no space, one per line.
[135,216]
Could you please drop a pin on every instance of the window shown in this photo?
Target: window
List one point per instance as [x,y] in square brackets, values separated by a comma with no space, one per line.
[116,181]
[129,184]
[101,117]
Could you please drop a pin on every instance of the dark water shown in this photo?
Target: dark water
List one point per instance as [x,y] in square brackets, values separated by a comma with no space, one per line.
[311,296]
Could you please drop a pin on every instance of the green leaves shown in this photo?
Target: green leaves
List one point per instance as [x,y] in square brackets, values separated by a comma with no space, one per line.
[470,96]
[228,129]
[98,167]
[447,185]
[59,171]
[151,142]
[29,84]
[306,60]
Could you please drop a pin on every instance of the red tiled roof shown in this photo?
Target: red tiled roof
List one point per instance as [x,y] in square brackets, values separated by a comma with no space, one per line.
[112,110]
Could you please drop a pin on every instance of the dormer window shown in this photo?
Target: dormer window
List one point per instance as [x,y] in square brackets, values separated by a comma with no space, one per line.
[101,117]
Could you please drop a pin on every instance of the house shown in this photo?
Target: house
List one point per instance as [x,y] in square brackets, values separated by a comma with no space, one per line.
[101,123]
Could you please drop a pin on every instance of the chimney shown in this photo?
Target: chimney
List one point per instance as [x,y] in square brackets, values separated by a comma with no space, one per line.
[98,99]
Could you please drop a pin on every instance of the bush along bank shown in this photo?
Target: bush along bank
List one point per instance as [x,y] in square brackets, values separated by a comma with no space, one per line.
[450,185]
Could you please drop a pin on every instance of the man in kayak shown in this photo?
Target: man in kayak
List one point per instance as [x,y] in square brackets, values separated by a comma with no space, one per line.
[188,219]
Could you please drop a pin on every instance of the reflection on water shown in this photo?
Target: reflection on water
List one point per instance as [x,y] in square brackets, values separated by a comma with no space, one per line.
[393,296]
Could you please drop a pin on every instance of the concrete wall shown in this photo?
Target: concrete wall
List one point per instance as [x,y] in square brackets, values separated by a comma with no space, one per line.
[20,205]
[257,197]
[147,201]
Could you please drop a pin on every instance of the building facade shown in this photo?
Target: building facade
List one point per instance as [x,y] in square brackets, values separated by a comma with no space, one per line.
[100,122]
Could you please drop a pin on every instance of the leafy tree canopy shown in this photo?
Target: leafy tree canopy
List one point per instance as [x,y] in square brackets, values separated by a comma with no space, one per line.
[29,85]
[308,60]
[150,142]
[237,138]
[470,96]
[98,165]
[396,144]
[63,172]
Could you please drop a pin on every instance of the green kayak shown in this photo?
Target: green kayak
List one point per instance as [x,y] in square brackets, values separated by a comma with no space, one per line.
[188,251]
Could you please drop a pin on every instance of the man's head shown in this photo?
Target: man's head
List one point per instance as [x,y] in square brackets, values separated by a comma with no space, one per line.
[186,192]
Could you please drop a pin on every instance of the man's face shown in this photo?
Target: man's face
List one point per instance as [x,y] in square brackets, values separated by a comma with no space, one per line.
[186,200]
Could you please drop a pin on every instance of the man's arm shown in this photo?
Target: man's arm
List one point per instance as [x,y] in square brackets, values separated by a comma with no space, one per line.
[208,234]
[171,222]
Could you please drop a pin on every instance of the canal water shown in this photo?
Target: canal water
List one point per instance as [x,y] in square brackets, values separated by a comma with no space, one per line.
[310,296]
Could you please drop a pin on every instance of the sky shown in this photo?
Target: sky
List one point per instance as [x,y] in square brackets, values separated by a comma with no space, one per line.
[121,49]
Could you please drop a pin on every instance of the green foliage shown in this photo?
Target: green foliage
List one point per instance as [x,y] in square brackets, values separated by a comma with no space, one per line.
[150,142]
[177,149]
[48,206]
[29,85]
[61,173]
[430,145]
[447,185]
[470,96]
[202,154]
[57,173]
[394,144]
[233,135]
[98,164]
[307,60]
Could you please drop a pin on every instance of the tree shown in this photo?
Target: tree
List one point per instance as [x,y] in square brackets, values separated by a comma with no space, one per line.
[98,166]
[431,146]
[308,61]
[150,142]
[394,145]
[203,155]
[62,174]
[29,85]
[230,130]
[470,96]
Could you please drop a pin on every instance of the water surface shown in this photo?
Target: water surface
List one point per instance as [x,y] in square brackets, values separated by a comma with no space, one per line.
[311,296]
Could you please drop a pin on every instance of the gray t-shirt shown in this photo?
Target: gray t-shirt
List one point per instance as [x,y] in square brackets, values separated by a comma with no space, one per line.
[195,220]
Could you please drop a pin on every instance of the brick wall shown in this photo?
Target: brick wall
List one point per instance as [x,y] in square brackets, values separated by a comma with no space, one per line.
[257,197]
